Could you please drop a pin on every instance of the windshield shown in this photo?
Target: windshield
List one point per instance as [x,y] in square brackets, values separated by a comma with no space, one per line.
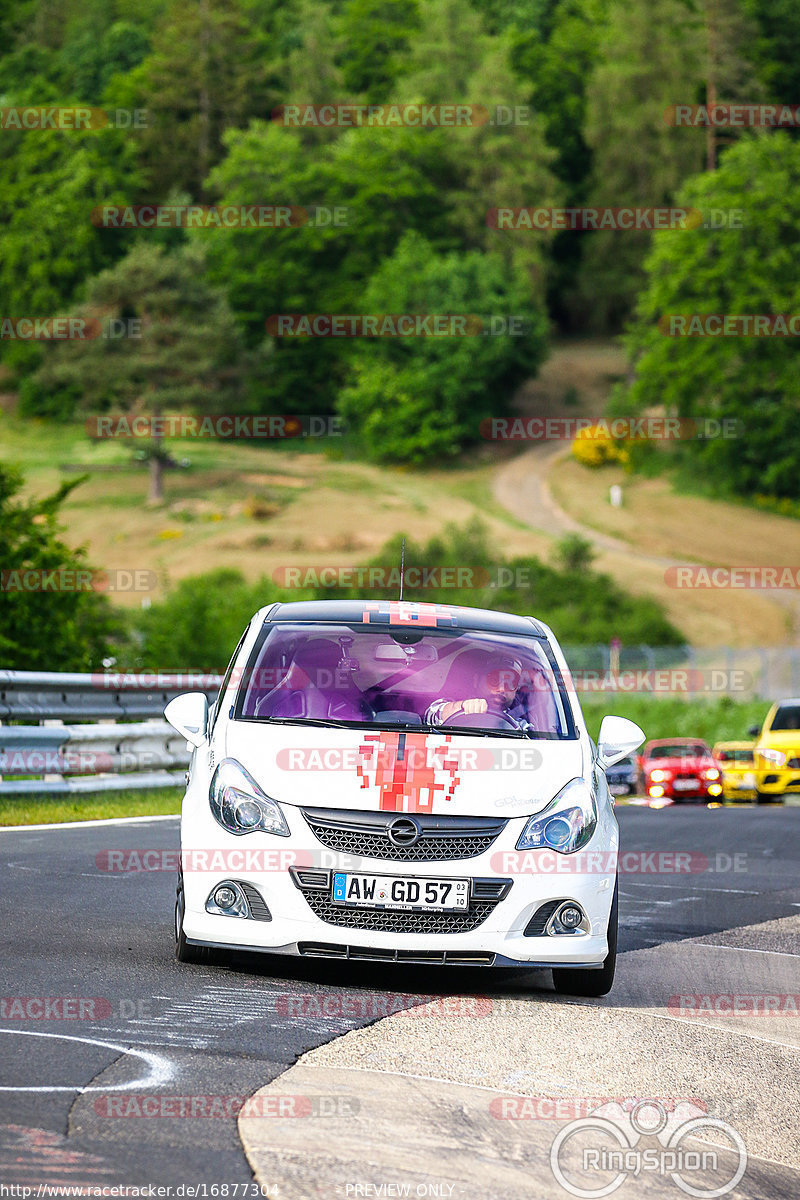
[353,675]
[679,751]
[787,717]
[735,756]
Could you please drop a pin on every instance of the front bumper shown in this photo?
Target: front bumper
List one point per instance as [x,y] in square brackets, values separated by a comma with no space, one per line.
[499,937]
[777,780]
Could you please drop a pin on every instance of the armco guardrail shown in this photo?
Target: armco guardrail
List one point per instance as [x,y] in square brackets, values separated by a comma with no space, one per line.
[115,752]
[129,745]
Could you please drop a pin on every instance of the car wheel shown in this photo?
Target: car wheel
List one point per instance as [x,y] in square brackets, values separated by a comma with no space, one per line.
[768,797]
[577,981]
[184,952]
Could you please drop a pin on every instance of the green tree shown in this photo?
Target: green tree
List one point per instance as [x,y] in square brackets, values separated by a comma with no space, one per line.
[751,381]
[199,622]
[182,356]
[209,69]
[501,161]
[651,58]
[420,399]
[648,59]
[375,36]
[582,605]
[776,46]
[386,180]
[54,628]
[50,181]
[554,60]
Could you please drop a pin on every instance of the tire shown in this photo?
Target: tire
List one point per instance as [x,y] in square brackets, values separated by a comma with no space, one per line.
[769,798]
[184,952]
[578,981]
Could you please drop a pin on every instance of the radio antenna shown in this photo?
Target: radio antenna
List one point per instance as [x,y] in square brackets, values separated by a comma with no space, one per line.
[402,566]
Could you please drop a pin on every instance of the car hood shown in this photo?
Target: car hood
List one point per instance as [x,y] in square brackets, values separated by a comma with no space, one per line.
[403,771]
[786,740]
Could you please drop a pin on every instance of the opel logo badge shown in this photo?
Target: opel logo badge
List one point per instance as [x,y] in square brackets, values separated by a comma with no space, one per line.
[403,832]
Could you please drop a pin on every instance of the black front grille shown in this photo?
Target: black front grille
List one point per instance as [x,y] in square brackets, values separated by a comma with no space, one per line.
[440,958]
[397,920]
[537,923]
[256,903]
[485,895]
[366,835]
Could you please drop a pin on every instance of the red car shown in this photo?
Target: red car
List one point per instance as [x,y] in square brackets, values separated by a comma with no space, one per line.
[679,769]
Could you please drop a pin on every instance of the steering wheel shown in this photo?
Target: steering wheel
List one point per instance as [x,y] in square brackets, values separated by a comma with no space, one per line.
[477,720]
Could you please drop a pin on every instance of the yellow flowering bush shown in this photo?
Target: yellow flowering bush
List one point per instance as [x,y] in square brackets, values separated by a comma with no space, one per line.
[594,447]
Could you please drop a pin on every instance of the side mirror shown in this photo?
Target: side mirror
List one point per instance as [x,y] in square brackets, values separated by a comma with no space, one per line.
[754,730]
[189,715]
[618,738]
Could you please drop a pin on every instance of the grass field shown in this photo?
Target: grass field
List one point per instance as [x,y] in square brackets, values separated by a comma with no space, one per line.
[660,521]
[717,720]
[52,810]
[249,506]
[259,507]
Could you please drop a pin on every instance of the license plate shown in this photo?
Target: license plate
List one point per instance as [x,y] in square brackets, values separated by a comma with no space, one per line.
[393,891]
[686,785]
[618,789]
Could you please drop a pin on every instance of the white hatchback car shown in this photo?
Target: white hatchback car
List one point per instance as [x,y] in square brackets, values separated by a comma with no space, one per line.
[400,782]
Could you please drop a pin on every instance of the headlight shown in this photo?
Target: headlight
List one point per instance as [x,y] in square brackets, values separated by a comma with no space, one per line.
[776,757]
[658,776]
[566,824]
[711,773]
[239,805]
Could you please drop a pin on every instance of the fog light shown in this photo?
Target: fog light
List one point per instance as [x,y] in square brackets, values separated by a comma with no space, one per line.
[655,791]
[570,917]
[225,897]
[714,789]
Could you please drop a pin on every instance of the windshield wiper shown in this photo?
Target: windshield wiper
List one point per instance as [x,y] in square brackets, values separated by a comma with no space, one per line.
[321,722]
[471,730]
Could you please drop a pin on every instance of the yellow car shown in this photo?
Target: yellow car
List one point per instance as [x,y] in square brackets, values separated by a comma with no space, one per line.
[737,769]
[777,751]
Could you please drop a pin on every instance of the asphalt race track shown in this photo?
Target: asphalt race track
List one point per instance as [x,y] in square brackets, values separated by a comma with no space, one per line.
[74,930]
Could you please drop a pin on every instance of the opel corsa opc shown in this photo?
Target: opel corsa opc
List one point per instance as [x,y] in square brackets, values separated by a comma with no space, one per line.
[400,782]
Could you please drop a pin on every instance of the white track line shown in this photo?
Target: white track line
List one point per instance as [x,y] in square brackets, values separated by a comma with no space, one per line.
[161,1069]
[746,949]
[83,824]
